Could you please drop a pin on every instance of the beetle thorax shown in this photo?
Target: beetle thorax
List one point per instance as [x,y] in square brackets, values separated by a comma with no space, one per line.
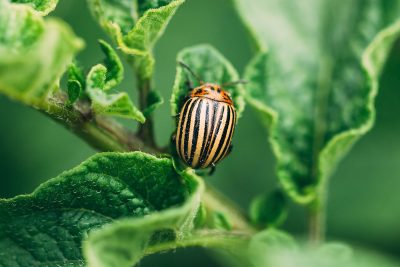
[213,92]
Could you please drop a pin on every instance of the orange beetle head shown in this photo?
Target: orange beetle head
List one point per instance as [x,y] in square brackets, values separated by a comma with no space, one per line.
[212,91]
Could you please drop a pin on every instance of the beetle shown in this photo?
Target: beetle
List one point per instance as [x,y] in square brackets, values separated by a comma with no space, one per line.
[205,124]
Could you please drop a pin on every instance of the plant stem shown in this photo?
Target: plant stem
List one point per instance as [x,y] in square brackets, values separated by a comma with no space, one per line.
[146,132]
[317,208]
[234,241]
[317,217]
[102,133]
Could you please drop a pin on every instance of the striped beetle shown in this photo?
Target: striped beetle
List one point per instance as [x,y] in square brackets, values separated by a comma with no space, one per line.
[205,125]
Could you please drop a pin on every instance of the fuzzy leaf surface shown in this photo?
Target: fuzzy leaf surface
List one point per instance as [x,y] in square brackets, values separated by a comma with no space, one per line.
[115,69]
[135,26]
[46,228]
[125,242]
[315,78]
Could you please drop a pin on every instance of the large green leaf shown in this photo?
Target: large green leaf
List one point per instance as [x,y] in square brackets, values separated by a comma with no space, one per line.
[125,242]
[46,228]
[44,7]
[315,78]
[33,53]
[135,27]
[207,63]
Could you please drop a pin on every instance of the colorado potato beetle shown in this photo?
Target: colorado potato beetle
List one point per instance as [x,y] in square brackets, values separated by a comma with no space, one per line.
[205,125]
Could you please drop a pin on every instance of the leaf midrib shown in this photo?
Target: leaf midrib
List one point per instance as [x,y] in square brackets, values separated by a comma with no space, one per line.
[328,60]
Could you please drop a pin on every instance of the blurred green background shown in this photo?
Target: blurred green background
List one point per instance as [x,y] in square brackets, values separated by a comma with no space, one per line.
[364,195]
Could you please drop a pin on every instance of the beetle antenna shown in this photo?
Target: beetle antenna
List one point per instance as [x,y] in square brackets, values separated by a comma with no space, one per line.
[234,83]
[185,66]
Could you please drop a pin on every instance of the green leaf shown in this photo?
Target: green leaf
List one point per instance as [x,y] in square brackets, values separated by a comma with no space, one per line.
[74,90]
[102,78]
[135,28]
[265,245]
[34,53]
[115,104]
[123,14]
[96,78]
[269,209]
[46,228]
[115,70]
[44,7]
[75,73]
[144,5]
[125,242]
[315,78]
[338,251]
[141,39]
[271,248]
[210,66]
[154,101]
[118,104]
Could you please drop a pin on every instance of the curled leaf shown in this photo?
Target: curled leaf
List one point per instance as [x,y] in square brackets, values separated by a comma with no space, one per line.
[115,70]
[75,73]
[96,78]
[117,104]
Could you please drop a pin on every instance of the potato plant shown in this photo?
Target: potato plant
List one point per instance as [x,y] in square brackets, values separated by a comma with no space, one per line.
[312,81]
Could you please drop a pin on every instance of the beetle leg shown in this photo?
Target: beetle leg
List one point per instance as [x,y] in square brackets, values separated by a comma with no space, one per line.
[229,150]
[176,117]
[212,170]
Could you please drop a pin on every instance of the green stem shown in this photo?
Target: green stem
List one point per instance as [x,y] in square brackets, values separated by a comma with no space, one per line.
[234,241]
[317,217]
[317,208]
[101,133]
[146,132]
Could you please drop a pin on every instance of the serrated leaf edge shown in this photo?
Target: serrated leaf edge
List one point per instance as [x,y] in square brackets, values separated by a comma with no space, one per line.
[346,138]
